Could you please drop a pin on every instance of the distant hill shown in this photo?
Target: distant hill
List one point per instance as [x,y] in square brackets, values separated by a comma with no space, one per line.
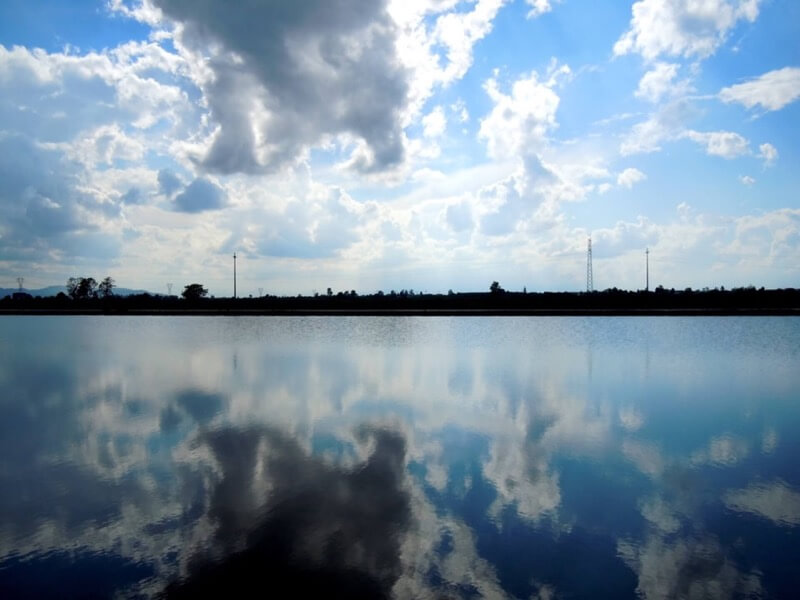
[53,290]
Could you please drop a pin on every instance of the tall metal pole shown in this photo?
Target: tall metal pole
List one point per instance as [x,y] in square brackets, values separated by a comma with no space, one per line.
[589,274]
[234,275]
[647,270]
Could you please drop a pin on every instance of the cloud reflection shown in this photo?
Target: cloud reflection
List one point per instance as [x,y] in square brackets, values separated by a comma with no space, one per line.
[776,501]
[686,568]
[340,460]
[287,521]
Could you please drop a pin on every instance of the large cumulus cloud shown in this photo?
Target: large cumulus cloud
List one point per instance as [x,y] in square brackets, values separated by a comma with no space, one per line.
[287,76]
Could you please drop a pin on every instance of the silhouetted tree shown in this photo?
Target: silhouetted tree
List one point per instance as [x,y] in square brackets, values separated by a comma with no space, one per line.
[495,288]
[106,287]
[194,291]
[80,288]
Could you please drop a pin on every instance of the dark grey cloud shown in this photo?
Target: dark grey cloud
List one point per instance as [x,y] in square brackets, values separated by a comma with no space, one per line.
[320,67]
[200,195]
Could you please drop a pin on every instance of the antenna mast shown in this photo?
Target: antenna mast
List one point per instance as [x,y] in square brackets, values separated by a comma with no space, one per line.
[589,277]
[20,281]
[234,275]
[647,270]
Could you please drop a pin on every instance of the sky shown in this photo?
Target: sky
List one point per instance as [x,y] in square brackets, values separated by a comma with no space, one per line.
[400,144]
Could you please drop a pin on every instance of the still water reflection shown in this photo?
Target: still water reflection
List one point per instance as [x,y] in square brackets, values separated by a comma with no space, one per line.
[380,457]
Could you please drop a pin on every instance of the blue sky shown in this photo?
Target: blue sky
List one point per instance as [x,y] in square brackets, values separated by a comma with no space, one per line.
[427,144]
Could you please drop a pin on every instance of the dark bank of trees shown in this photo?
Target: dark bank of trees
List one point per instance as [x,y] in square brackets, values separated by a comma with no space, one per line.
[86,295]
[194,291]
[84,288]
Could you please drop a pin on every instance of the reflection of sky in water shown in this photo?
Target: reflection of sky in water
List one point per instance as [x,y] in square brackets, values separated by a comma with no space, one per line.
[396,456]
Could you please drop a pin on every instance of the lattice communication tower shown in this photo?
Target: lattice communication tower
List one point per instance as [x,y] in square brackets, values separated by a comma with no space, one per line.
[589,276]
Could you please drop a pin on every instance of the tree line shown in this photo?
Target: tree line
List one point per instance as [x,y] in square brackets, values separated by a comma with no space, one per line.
[82,288]
[86,294]
[85,288]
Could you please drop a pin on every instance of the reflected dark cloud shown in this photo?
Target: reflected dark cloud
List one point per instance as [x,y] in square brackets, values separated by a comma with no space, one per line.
[287,520]
[202,406]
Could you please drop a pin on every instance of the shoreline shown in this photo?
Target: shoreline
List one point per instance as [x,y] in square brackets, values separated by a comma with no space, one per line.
[410,312]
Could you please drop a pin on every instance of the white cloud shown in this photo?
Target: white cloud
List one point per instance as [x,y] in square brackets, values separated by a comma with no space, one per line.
[435,41]
[746,180]
[105,145]
[539,7]
[520,119]
[768,153]
[665,124]
[656,82]
[144,11]
[685,28]
[726,144]
[459,31]
[644,137]
[434,123]
[771,91]
[629,177]
[763,242]
[56,96]
[659,82]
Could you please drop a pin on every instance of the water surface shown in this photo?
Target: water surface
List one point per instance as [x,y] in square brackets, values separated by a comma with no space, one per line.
[400,457]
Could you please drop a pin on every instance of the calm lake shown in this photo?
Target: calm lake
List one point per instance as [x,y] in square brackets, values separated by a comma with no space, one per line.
[400,457]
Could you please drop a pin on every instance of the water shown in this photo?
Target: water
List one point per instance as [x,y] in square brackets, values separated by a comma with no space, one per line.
[371,457]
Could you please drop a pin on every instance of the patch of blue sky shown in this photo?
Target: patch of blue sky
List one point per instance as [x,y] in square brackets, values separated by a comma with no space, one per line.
[572,33]
[53,24]
[596,98]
